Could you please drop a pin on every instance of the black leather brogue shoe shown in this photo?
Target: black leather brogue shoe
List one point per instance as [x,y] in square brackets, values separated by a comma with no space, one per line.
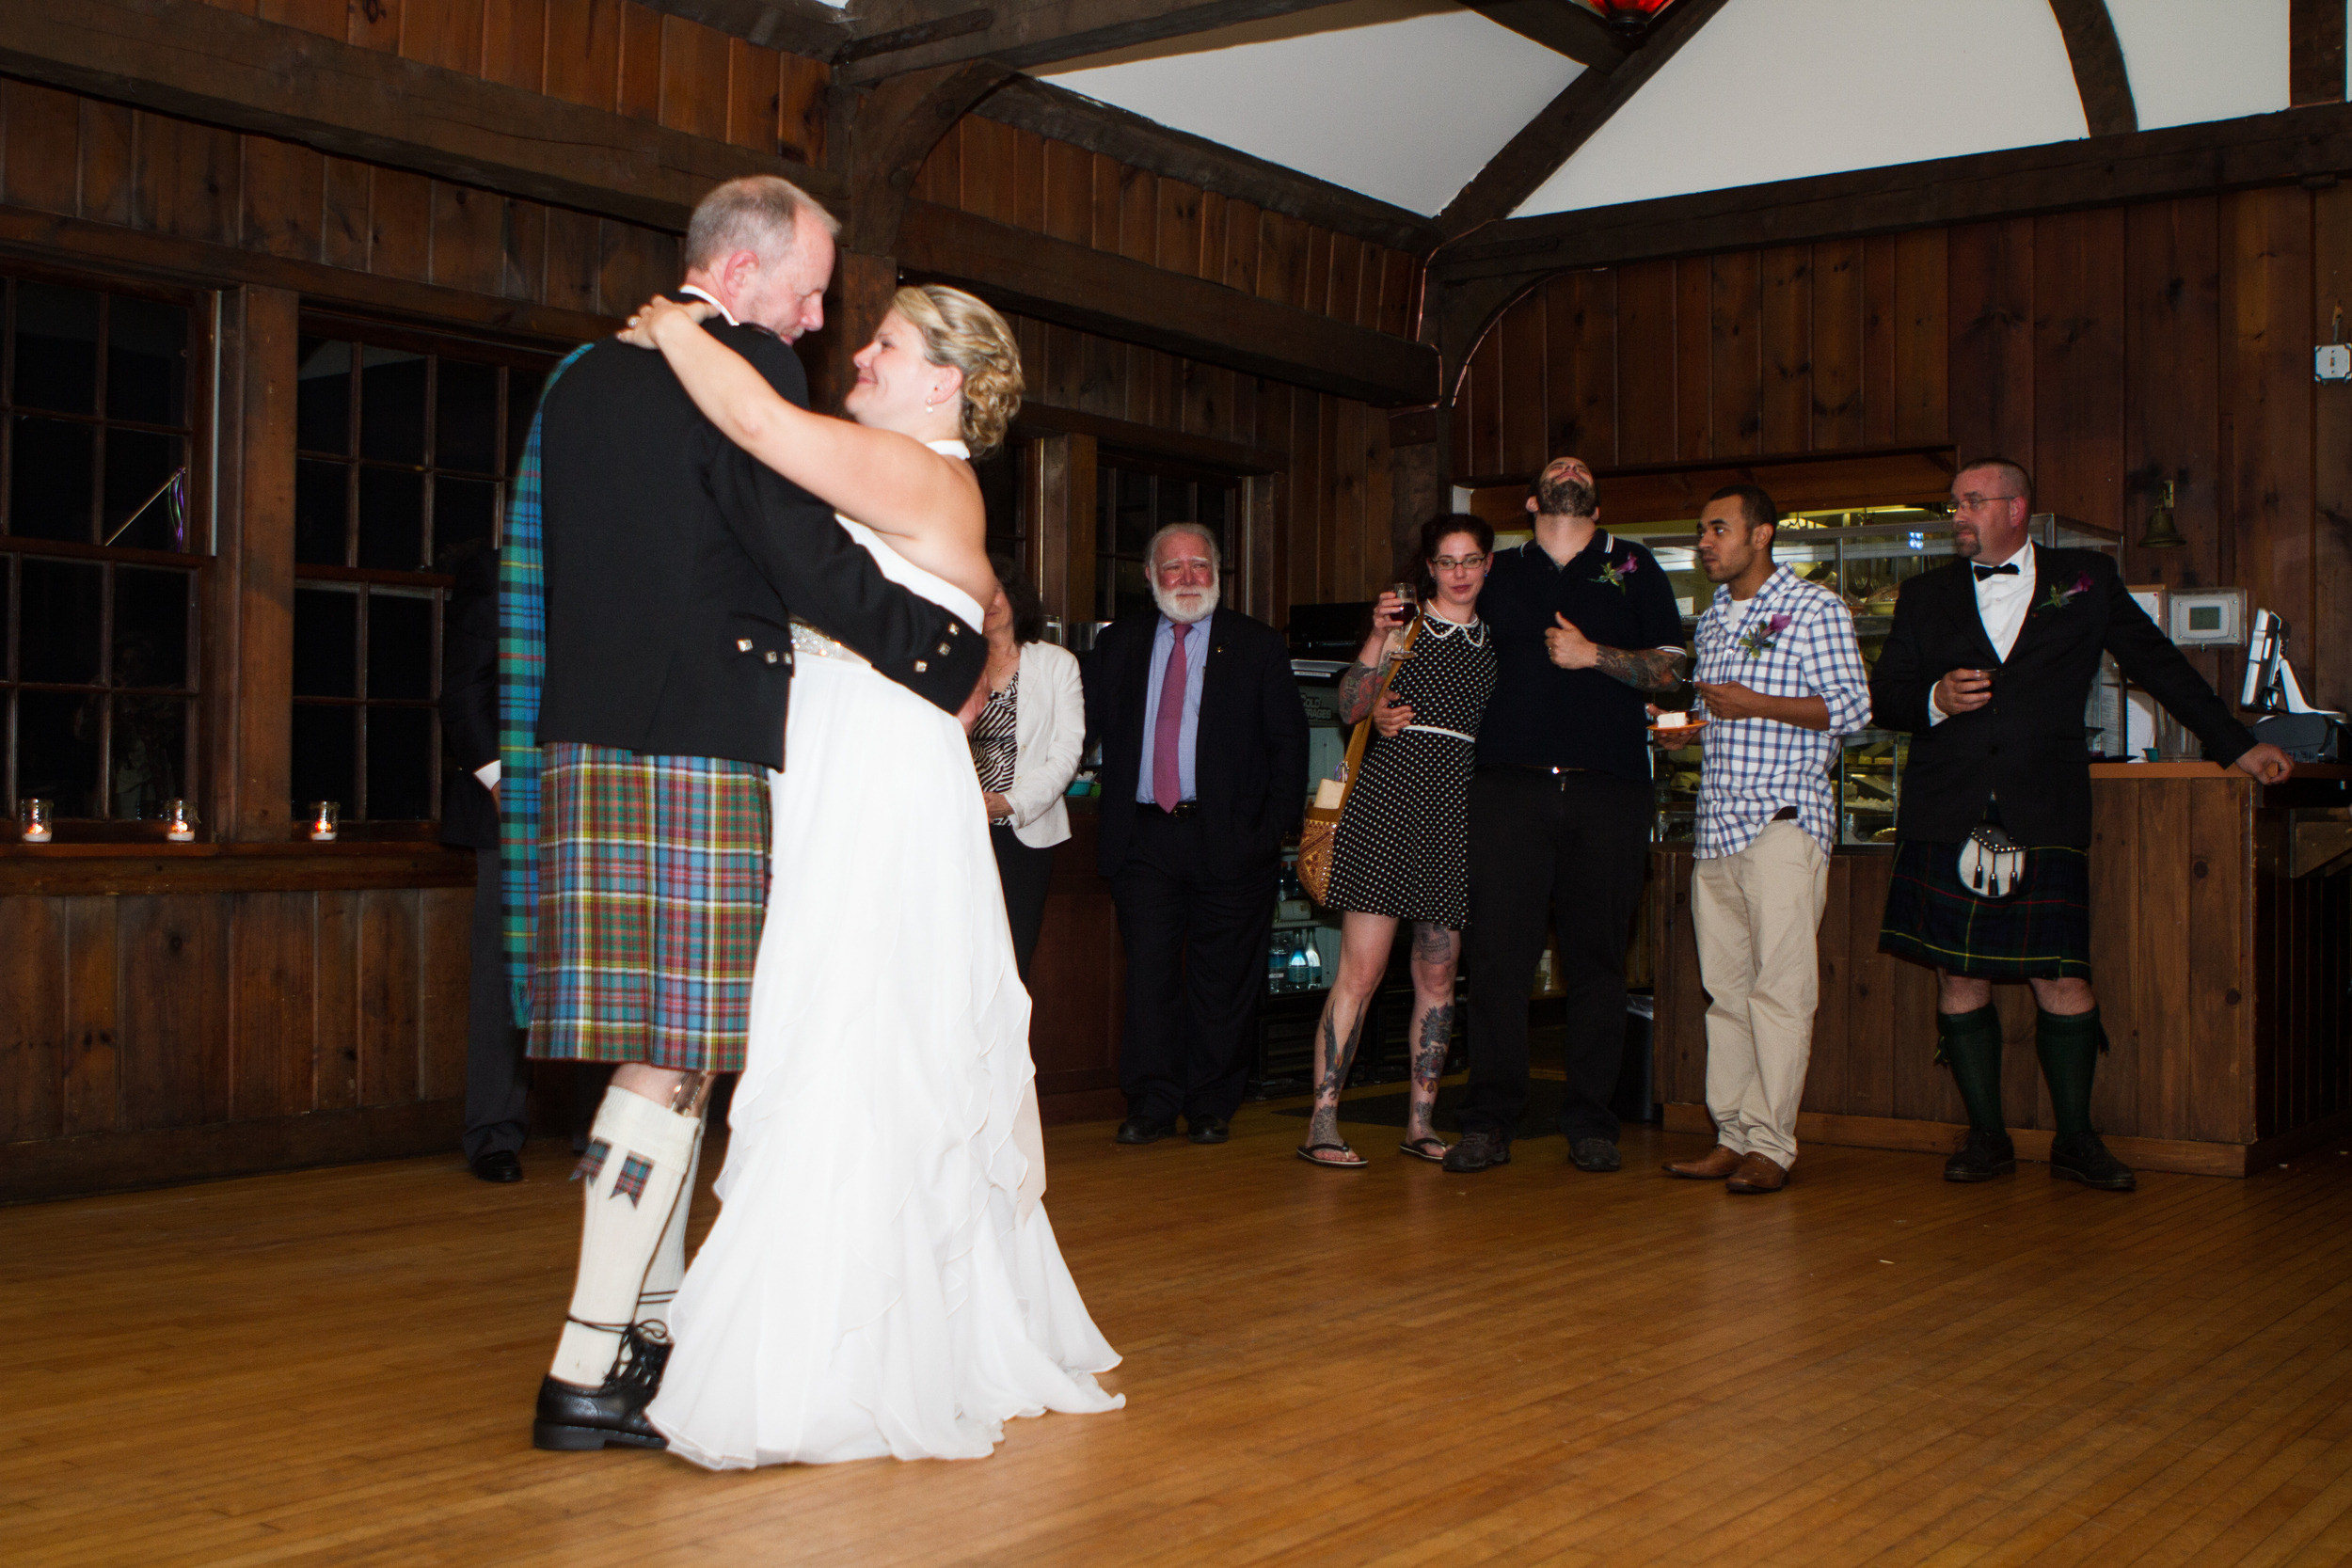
[2083,1157]
[499,1164]
[1143,1130]
[1478,1150]
[1984,1156]
[1208,1129]
[572,1419]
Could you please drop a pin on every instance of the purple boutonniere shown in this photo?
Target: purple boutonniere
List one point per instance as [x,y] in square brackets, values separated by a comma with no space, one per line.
[1757,640]
[1614,576]
[2061,597]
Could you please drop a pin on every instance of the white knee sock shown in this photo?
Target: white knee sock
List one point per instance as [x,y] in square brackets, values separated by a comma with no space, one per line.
[669,1259]
[638,1156]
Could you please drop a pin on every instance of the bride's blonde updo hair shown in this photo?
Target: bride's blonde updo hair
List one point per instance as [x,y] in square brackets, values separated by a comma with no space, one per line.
[960,331]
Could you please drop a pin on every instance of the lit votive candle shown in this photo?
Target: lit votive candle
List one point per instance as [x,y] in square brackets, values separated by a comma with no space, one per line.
[32,818]
[179,822]
[323,816]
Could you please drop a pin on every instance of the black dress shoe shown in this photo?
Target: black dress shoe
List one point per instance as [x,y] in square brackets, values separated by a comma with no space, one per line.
[573,1419]
[499,1165]
[1478,1150]
[1208,1129]
[1594,1154]
[1143,1130]
[2083,1157]
[1984,1156]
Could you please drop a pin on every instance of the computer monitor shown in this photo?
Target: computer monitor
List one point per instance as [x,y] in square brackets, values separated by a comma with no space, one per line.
[2265,650]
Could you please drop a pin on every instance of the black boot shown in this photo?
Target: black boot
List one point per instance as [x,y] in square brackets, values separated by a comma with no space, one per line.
[2081,1157]
[2068,1045]
[573,1419]
[1984,1156]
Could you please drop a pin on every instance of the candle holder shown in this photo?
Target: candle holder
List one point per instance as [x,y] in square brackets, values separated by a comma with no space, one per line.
[323,816]
[179,822]
[34,820]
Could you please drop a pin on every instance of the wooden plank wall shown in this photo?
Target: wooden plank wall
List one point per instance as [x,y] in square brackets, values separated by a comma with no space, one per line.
[80,157]
[164,1037]
[2108,350]
[621,57]
[1054,187]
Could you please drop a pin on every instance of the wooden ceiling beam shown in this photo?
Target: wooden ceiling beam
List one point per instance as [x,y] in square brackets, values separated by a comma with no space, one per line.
[1563,27]
[1568,122]
[796,26]
[1096,291]
[2097,57]
[1046,110]
[2314,51]
[1026,33]
[208,64]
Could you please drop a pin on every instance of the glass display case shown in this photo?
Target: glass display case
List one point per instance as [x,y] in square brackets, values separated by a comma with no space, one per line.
[1865,557]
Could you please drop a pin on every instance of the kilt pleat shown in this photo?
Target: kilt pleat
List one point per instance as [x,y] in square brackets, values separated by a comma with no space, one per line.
[2040,932]
[653,886]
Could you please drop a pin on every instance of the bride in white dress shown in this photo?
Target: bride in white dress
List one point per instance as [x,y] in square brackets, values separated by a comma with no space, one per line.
[882,1279]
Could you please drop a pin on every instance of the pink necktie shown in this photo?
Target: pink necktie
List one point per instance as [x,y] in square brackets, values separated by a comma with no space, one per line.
[1167,730]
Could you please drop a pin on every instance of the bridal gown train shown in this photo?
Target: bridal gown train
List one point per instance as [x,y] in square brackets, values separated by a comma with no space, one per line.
[882,1279]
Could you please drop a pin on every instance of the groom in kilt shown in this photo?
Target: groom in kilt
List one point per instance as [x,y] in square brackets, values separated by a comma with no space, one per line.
[1989,665]
[645,656]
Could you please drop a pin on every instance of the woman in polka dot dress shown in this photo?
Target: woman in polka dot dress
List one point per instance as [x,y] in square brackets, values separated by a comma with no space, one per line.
[1403,847]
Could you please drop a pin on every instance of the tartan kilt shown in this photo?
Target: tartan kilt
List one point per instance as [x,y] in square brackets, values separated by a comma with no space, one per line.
[2040,932]
[653,887]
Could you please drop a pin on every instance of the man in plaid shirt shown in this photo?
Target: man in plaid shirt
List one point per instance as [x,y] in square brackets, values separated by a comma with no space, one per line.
[1782,679]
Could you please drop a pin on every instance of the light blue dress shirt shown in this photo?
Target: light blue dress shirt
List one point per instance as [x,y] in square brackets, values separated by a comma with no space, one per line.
[1195,665]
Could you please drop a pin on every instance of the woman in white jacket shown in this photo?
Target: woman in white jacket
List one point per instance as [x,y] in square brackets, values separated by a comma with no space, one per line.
[1025,745]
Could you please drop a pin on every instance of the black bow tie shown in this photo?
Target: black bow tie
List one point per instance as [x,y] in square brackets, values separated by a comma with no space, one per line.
[1984,572]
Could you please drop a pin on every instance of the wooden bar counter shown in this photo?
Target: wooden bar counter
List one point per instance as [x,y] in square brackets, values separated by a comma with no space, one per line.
[2221,948]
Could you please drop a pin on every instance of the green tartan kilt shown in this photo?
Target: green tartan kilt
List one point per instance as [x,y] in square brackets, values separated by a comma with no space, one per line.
[653,887]
[2040,932]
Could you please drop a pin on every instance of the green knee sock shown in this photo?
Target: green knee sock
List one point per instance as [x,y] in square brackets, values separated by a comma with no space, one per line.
[2069,1044]
[1970,1045]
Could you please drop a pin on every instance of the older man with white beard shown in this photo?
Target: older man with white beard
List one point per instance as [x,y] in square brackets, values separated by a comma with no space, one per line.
[1205,764]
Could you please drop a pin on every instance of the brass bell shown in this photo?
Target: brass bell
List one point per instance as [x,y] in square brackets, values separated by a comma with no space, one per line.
[2164,533]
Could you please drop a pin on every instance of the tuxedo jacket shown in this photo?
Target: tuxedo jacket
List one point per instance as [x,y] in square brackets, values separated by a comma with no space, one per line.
[470,702]
[1249,747]
[672,555]
[2026,745]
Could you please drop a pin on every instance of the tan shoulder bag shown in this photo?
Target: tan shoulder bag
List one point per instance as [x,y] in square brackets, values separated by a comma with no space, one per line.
[1331,796]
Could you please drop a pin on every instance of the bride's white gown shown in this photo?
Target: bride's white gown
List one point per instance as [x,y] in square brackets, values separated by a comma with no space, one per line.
[881,1278]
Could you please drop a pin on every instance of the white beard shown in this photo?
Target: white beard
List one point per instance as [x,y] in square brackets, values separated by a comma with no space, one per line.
[1206,607]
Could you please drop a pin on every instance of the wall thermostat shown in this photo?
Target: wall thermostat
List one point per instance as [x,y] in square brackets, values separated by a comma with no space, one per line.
[2206,617]
[2332,362]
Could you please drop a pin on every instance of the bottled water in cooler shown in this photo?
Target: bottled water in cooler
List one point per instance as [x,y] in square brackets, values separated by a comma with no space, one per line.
[1299,970]
[1314,961]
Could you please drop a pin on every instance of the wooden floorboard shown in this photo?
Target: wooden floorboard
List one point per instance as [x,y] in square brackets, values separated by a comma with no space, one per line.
[1392,1366]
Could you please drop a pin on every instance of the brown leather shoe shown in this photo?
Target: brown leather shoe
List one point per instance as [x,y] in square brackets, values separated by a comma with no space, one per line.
[1756,1174]
[1713,1165]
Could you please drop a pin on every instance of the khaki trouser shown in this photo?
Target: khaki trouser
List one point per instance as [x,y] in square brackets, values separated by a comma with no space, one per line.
[1757,914]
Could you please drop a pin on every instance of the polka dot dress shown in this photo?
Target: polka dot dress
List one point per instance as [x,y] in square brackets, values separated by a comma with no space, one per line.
[1403,847]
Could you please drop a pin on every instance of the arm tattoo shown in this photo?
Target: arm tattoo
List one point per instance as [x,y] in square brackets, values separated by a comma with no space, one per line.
[1650,670]
[1356,689]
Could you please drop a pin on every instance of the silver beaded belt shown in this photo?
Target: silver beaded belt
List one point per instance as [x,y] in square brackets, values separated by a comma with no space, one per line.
[816,644]
[1432,729]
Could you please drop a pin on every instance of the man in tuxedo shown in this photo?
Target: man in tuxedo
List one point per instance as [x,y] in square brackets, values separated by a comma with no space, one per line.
[1989,665]
[1205,772]
[646,573]
[498,1081]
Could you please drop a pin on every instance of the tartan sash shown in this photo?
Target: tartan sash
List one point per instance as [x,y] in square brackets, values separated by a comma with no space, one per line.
[522,674]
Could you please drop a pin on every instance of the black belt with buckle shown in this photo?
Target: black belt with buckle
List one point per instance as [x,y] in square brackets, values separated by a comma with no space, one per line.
[1181,809]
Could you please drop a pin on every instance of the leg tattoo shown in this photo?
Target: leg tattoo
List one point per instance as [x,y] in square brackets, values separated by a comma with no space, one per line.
[1332,1062]
[1429,1048]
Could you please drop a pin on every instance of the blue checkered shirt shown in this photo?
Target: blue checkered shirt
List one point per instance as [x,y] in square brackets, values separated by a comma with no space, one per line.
[1754,766]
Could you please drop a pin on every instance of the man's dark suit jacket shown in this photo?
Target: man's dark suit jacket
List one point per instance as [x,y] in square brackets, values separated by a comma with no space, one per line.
[2027,743]
[470,702]
[1249,748]
[671,554]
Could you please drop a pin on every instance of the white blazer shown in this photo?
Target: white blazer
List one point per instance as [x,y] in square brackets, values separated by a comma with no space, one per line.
[1050,722]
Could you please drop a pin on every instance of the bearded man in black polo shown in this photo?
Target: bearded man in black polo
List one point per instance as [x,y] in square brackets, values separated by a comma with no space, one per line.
[1586,630]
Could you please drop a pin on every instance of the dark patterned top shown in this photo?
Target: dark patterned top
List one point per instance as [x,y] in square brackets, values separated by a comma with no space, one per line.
[1403,845]
[996,738]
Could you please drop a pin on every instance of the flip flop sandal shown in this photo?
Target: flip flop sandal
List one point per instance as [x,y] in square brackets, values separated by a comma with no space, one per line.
[1310,1152]
[1418,1148]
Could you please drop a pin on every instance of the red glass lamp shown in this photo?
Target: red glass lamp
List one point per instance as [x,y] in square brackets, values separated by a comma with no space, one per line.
[1630,17]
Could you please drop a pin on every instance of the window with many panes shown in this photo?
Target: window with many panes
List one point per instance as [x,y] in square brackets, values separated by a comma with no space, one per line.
[1134,500]
[405,447]
[102,542]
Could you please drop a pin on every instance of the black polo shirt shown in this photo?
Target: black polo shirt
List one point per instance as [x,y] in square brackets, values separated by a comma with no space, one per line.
[1540,714]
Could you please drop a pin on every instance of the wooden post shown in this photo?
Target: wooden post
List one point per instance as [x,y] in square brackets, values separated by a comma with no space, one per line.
[250,660]
[1058,473]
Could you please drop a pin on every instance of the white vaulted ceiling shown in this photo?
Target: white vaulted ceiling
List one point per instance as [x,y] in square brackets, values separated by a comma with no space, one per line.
[1407,99]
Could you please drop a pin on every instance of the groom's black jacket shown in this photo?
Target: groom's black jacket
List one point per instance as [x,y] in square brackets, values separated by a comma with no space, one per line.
[672,555]
[2027,744]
